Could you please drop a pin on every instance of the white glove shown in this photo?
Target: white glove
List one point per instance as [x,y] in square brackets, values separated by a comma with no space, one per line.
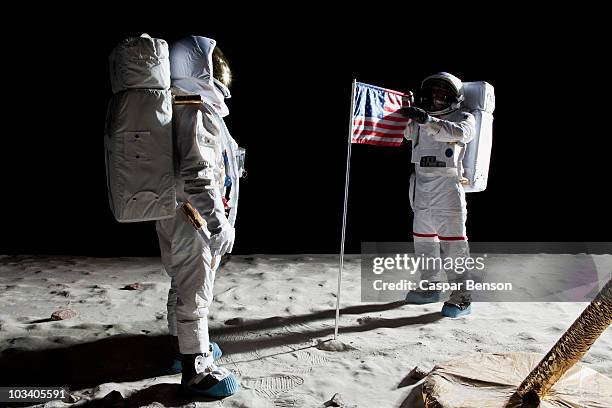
[223,241]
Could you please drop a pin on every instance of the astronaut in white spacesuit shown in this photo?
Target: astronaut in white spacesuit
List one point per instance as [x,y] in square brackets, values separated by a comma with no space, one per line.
[205,157]
[439,131]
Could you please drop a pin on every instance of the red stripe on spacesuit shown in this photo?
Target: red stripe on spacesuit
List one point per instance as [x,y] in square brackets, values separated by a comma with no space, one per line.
[452,238]
[416,234]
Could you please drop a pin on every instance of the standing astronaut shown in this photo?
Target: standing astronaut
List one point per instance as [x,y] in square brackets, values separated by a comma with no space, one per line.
[439,132]
[205,156]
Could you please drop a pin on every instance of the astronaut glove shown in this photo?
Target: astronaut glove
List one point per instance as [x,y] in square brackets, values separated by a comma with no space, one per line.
[416,114]
[223,242]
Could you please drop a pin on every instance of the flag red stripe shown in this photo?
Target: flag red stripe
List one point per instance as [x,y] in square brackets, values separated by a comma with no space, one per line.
[374,142]
[361,122]
[388,108]
[397,100]
[394,135]
[380,132]
[395,119]
[398,119]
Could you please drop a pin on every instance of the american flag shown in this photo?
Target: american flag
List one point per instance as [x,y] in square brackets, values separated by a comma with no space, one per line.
[376,117]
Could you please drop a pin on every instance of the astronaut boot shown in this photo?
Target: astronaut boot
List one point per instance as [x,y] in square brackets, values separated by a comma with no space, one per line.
[201,376]
[453,310]
[458,305]
[176,365]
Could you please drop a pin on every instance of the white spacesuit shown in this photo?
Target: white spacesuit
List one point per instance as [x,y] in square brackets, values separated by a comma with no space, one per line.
[439,133]
[189,256]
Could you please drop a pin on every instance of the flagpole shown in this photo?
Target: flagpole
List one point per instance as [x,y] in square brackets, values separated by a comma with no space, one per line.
[346,190]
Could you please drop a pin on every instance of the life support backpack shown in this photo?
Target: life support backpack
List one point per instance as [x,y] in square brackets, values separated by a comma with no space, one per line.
[479,100]
[138,132]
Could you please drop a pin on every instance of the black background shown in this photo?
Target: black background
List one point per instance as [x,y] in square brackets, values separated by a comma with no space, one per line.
[293,69]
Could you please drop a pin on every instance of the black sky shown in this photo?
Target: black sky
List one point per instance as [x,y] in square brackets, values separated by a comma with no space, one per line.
[548,177]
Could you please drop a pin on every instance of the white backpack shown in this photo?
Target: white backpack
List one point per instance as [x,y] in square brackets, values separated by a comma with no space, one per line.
[480,101]
[138,132]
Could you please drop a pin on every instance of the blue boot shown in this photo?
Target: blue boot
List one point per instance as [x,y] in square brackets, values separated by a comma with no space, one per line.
[453,310]
[202,377]
[216,351]
[177,366]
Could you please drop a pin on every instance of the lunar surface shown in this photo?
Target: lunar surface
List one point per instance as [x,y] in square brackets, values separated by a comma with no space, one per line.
[273,317]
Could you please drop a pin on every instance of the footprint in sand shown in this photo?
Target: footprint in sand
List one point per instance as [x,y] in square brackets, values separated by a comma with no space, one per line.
[272,386]
[304,362]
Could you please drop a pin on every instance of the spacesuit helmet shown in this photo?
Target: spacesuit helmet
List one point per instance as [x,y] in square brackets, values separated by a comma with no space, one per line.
[441,93]
[198,66]
[221,68]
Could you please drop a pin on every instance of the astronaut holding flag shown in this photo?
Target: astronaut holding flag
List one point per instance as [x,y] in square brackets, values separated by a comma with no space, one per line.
[446,166]
[439,132]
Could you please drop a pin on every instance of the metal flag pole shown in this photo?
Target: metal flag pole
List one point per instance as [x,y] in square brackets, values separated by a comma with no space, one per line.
[346,190]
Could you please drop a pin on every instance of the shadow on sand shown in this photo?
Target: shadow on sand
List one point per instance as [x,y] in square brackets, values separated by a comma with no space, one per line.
[124,358]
